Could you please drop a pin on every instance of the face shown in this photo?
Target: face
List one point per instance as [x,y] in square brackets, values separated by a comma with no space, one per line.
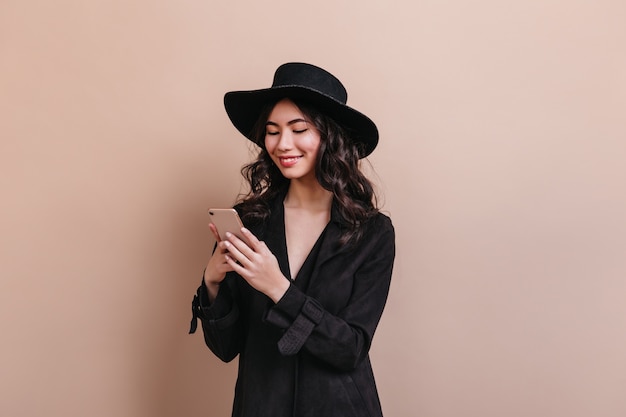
[292,141]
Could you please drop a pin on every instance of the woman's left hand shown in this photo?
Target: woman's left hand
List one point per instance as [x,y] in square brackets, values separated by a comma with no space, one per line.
[256,264]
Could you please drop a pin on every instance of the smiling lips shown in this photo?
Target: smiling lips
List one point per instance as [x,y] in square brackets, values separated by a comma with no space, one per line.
[289,161]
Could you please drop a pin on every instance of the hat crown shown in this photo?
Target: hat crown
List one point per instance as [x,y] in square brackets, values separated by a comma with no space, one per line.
[310,77]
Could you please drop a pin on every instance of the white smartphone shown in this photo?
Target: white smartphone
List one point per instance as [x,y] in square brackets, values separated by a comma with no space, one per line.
[227,220]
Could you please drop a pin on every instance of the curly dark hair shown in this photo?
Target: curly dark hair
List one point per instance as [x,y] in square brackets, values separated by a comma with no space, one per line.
[337,170]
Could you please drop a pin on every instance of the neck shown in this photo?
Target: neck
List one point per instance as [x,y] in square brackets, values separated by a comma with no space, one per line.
[309,195]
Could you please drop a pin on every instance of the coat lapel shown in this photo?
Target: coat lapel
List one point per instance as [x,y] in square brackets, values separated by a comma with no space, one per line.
[275,236]
[330,247]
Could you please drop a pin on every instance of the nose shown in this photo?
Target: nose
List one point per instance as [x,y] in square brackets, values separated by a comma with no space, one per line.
[285,141]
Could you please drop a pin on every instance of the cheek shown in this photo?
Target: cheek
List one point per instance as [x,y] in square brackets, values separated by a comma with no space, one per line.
[312,144]
[270,143]
[316,147]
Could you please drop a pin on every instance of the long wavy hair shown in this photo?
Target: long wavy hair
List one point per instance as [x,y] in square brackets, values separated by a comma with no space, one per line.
[337,170]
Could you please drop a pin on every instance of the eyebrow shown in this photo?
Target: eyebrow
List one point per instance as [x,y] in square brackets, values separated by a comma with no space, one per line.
[289,123]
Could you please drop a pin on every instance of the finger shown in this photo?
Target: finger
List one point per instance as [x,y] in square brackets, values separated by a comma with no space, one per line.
[235,266]
[250,237]
[241,245]
[234,253]
[222,246]
[214,231]
[252,244]
[258,246]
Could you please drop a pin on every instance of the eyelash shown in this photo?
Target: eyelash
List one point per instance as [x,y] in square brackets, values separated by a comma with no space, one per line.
[295,131]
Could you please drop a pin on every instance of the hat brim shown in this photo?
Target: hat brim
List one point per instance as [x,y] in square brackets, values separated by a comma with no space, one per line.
[243,109]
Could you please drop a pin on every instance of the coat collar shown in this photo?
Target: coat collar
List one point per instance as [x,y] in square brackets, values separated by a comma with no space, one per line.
[274,234]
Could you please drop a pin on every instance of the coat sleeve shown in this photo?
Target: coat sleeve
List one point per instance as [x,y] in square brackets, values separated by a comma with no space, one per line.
[342,340]
[221,323]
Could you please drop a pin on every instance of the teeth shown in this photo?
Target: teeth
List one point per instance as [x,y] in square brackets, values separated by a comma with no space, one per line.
[290,159]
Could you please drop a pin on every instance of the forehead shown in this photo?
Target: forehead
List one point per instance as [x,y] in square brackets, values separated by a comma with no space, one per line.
[285,110]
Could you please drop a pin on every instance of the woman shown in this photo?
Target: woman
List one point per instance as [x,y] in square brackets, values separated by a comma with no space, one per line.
[300,302]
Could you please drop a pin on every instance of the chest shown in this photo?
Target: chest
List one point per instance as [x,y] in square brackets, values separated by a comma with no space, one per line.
[302,230]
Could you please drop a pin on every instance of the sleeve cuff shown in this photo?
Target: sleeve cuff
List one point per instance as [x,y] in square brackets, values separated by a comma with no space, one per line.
[203,309]
[299,315]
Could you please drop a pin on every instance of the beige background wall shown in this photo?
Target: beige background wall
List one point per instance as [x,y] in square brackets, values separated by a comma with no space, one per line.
[502,164]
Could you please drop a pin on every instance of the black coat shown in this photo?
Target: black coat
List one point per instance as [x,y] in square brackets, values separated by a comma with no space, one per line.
[308,354]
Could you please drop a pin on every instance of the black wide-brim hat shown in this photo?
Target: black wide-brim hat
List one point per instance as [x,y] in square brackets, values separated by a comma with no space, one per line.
[310,84]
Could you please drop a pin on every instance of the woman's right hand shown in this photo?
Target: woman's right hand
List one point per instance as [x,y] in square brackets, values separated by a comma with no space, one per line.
[217,267]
